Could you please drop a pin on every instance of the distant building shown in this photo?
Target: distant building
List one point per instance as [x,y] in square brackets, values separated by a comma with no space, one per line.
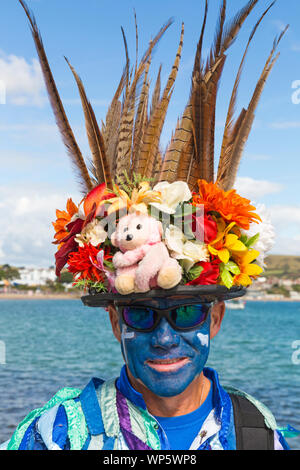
[35,276]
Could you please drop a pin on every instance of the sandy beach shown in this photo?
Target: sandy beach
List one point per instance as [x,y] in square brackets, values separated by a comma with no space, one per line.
[39,297]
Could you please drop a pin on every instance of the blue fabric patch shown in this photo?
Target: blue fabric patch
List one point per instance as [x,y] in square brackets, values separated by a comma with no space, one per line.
[87,443]
[60,428]
[27,436]
[182,430]
[91,408]
[109,443]
[283,441]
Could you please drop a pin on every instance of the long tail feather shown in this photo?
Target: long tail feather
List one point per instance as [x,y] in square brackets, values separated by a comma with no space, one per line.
[232,29]
[229,131]
[226,181]
[58,109]
[175,160]
[95,137]
[112,124]
[127,118]
[149,150]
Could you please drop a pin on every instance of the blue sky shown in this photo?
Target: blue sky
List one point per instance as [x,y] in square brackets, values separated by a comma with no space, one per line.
[36,176]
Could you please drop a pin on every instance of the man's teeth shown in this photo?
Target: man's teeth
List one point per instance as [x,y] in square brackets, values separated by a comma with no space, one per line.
[167,361]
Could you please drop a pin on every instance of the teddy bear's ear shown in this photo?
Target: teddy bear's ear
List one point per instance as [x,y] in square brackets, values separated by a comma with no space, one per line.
[113,239]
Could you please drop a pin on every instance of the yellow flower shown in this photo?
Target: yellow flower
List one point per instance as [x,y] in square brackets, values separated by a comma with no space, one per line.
[248,268]
[226,243]
[138,202]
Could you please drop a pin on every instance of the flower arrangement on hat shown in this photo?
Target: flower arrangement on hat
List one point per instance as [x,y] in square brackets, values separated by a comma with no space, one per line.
[212,233]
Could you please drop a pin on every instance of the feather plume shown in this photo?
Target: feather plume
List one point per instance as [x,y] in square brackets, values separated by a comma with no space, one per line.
[112,124]
[58,109]
[150,146]
[232,29]
[156,92]
[174,163]
[227,178]
[95,137]
[127,119]
[140,120]
[230,126]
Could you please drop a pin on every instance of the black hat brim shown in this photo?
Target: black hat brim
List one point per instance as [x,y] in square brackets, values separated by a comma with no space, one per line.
[163,298]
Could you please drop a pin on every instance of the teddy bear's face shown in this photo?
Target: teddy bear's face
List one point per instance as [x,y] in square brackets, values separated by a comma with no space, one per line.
[135,230]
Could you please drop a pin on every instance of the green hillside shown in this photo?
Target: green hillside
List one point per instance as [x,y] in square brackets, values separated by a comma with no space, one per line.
[283,266]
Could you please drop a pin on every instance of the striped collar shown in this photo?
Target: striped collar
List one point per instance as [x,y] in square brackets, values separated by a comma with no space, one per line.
[96,417]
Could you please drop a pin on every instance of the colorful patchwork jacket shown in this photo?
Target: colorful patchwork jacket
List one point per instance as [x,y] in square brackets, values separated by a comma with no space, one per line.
[110,415]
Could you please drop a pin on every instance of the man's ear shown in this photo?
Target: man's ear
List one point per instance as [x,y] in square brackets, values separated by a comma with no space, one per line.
[114,320]
[217,315]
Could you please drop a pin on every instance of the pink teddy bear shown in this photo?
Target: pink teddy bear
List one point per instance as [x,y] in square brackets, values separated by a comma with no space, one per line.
[143,261]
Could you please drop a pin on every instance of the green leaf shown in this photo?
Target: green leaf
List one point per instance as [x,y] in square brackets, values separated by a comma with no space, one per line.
[109,264]
[194,272]
[227,279]
[232,267]
[244,239]
[252,240]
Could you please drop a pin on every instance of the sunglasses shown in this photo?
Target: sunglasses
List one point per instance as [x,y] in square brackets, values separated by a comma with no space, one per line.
[183,318]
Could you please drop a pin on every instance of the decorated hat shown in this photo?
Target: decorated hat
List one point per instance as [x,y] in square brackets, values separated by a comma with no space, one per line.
[158,223]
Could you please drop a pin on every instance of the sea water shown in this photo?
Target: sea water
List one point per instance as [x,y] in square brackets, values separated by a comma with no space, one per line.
[50,344]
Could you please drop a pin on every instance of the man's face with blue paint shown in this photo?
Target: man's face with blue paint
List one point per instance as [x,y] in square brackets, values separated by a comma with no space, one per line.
[167,361]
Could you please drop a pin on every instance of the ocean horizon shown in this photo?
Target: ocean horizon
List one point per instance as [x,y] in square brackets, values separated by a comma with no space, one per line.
[48,344]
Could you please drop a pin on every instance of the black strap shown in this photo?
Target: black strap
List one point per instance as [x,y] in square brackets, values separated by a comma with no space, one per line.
[251,430]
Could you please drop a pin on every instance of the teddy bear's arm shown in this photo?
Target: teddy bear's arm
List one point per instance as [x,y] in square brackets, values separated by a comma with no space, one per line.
[124,260]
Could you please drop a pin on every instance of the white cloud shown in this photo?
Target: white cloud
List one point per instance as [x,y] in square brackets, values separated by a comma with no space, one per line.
[23,80]
[26,233]
[286,220]
[285,125]
[256,189]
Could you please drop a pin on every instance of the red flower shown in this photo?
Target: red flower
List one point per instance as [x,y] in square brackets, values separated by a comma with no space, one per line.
[204,227]
[83,262]
[68,244]
[209,275]
[99,194]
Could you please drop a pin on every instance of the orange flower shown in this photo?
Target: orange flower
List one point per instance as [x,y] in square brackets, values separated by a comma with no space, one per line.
[63,219]
[231,206]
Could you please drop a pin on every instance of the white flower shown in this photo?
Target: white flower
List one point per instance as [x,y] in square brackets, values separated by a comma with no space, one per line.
[266,232]
[190,252]
[93,233]
[171,195]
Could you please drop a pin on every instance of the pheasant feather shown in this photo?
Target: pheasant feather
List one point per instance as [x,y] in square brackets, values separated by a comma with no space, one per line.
[58,109]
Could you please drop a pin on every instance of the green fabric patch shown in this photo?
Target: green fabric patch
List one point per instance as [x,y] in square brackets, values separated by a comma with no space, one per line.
[62,395]
[77,427]
[143,426]
[107,398]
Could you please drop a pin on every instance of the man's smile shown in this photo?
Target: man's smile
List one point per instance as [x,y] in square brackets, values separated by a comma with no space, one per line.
[167,365]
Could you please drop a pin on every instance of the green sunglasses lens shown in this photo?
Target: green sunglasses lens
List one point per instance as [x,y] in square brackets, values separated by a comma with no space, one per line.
[190,316]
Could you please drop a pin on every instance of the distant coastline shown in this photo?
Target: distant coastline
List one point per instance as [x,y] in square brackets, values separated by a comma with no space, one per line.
[14,296]
[39,297]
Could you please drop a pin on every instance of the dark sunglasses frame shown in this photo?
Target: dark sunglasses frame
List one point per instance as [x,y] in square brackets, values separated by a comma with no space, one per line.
[164,313]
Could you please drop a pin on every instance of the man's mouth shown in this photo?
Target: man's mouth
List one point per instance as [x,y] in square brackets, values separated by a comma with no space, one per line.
[167,365]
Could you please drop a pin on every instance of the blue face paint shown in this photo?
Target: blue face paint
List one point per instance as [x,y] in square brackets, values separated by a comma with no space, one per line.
[143,353]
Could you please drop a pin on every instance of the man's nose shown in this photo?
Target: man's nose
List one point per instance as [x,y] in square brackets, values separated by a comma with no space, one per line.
[164,336]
